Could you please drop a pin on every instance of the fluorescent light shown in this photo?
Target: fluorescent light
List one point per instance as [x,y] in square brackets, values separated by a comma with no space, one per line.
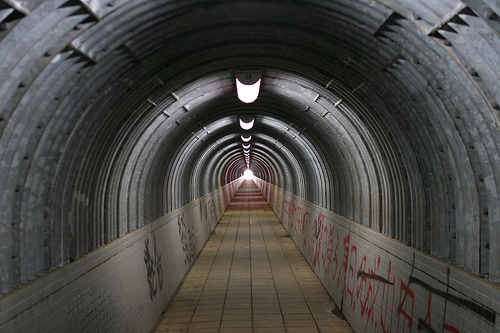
[246,139]
[247,93]
[248,125]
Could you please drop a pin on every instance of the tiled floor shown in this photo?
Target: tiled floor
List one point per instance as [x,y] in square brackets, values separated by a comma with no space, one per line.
[250,277]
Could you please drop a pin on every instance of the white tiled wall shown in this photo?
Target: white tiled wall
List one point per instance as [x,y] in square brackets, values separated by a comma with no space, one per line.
[123,286]
[380,284]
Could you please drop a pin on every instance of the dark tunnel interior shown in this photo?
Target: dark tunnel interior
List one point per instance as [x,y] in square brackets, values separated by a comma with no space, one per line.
[115,113]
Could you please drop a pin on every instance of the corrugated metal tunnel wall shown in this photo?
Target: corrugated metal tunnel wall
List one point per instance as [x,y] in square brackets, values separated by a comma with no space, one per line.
[118,115]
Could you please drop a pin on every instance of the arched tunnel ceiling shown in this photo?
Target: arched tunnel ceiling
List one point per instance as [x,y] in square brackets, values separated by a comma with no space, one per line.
[117,112]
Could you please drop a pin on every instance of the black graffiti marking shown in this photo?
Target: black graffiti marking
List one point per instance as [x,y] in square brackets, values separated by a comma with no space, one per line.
[154,269]
[211,211]
[207,212]
[400,307]
[188,240]
[318,224]
[475,307]
[423,325]
[316,231]
[374,277]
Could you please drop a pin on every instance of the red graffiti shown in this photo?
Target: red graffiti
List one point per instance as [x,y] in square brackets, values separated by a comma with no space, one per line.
[301,226]
[368,289]
[298,214]
[345,260]
[387,306]
[352,276]
[451,328]
[319,231]
[335,260]
[310,254]
[330,259]
[367,282]
[289,208]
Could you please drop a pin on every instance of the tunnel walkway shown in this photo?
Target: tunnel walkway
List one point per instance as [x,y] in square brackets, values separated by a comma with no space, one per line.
[250,277]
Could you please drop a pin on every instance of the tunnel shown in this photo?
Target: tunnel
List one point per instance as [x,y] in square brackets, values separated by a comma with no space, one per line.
[375,141]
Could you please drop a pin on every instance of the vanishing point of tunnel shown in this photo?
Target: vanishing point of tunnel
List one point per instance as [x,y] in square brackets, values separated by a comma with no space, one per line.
[141,139]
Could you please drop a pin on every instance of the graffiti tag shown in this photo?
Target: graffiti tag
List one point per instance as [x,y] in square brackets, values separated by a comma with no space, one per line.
[154,269]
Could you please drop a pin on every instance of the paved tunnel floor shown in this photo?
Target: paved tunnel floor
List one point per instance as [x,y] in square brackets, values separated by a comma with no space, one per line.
[250,277]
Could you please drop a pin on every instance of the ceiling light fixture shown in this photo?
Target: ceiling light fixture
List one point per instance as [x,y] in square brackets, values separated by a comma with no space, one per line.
[248,85]
[247,125]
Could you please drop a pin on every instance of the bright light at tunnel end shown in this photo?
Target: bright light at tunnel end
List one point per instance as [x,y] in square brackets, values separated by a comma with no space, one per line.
[248,174]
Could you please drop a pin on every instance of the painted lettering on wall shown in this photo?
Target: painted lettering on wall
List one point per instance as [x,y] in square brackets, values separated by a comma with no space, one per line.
[379,290]
[208,215]
[153,267]
[480,310]
[188,240]
[211,214]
